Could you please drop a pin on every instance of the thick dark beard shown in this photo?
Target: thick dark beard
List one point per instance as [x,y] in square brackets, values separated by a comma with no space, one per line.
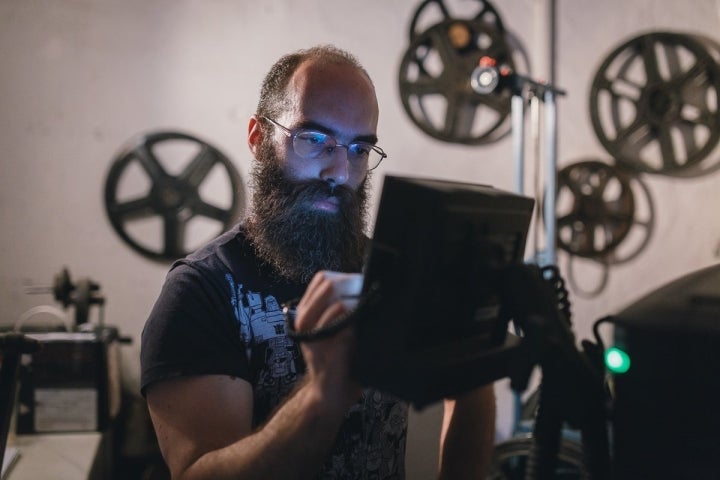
[294,237]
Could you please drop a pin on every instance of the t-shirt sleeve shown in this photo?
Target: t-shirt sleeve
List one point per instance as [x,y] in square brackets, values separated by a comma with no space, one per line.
[192,330]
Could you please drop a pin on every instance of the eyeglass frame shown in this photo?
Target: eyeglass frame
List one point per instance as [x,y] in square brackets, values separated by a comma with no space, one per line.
[293,133]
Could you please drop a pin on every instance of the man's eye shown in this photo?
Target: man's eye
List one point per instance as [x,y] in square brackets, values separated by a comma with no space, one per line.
[313,138]
[360,149]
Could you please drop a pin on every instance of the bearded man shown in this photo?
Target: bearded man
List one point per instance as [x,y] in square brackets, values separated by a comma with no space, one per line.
[229,393]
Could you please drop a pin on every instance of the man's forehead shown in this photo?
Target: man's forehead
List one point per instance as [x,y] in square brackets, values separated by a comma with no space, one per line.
[318,80]
[331,94]
[315,71]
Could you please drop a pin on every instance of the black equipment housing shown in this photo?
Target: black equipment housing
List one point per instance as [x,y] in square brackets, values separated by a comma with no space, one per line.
[430,316]
[665,417]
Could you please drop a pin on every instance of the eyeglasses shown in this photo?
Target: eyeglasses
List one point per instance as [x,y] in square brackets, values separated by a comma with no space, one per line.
[312,144]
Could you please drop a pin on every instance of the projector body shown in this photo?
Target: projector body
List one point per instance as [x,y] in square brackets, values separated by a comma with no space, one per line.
[666,415]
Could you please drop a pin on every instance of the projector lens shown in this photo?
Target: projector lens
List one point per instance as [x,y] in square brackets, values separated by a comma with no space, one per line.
[616,360]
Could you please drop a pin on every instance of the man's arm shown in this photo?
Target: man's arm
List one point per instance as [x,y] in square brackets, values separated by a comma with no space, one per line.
[468,435]
[203,423]
[203,428]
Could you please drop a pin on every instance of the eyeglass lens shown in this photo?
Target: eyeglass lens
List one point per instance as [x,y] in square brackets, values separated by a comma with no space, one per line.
[314,144]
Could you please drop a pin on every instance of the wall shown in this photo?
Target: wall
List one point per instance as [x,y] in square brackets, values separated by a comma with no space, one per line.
[81,77]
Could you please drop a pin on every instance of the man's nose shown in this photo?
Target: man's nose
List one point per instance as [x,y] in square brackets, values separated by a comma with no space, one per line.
[337,169]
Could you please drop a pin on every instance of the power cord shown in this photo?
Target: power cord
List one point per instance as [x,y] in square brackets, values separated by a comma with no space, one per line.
[313,334]
[551,274]
[367,300]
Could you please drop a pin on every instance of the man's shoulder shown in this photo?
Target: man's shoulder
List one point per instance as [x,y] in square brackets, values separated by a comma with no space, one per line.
[229,240]
[225,252]
[231,255]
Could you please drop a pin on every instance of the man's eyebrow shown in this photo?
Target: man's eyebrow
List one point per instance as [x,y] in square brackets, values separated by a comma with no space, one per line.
[324,129]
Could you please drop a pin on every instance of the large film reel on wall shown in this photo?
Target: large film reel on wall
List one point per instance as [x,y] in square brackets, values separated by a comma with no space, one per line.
[168,192]
[654,103]
[435,72]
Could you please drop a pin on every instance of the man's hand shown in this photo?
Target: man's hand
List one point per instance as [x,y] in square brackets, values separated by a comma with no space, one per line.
[329,296]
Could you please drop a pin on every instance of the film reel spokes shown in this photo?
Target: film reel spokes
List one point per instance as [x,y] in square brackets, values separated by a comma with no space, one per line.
[654,103]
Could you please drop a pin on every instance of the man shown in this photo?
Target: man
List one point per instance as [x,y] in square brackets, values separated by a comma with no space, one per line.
[230,395]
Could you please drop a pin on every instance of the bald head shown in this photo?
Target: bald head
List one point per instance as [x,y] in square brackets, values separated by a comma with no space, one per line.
[273,99]
[333,94]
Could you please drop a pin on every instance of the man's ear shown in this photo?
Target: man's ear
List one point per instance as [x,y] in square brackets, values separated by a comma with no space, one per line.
[255,134]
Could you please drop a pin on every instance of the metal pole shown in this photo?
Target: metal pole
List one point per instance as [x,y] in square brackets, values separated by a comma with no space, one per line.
[518,139]
[536,126]
[550,213]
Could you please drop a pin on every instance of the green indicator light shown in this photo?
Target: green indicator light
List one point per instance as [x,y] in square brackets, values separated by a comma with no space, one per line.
[616,360]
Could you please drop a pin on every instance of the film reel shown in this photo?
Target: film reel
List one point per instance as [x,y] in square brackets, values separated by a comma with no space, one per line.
[173,180]
[595,208]
[605,216]
[435,71]
[654,103]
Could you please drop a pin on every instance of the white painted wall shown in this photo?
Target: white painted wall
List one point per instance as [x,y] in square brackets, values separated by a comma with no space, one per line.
[80,77]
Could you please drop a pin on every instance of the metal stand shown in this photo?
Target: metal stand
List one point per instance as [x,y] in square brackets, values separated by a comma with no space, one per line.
[522,87]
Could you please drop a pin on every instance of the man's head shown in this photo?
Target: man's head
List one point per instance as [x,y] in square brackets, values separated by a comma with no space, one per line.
[309,211]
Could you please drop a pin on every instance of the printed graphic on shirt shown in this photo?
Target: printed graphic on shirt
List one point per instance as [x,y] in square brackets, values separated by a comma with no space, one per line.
[372,439]
[274,358]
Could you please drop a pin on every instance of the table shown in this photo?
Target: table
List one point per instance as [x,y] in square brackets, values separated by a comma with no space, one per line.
[60,456]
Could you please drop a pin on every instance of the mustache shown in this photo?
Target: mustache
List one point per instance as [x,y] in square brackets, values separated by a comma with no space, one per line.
[293,194]
[312,190]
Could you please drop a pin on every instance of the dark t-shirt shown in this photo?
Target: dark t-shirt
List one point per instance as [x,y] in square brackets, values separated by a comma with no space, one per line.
[220,313]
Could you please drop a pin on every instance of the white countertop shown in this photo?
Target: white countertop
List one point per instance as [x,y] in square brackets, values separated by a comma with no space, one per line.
[56,456]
